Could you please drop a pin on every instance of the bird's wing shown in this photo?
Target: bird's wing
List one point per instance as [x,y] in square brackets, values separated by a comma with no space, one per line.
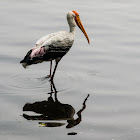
[38,49]
[59,39]
[54,42]
[49,47]
[43,39]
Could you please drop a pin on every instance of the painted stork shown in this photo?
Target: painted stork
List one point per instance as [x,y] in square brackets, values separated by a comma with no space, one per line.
[55,45]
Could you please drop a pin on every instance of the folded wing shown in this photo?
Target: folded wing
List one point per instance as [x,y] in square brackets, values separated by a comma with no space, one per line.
[48,48]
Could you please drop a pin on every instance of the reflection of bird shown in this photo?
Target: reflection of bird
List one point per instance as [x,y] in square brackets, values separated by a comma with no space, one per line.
[51,109]
[55,45]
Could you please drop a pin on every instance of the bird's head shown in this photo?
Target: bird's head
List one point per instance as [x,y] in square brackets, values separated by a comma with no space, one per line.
[74,15]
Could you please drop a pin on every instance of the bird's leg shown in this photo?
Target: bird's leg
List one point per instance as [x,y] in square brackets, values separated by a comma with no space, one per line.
[54,71]
[50,68]
[49,76]
[51,88]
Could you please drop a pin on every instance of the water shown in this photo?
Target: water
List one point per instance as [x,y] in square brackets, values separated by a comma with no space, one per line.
[107,69]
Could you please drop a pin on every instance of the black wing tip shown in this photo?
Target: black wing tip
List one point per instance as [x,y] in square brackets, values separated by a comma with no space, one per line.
[22,61]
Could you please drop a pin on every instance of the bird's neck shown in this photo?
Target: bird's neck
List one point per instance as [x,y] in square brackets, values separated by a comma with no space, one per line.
[72,25]
[72,29]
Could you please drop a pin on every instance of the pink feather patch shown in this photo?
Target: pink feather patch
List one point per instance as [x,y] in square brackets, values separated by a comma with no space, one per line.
[37,52]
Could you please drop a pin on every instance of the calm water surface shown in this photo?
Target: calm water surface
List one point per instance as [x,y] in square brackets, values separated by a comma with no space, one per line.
[107,69]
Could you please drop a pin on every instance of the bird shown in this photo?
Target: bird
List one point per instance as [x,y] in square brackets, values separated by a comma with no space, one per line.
[55,45]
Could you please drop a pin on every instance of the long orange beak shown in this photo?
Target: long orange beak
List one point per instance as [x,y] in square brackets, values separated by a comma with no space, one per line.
[80,25]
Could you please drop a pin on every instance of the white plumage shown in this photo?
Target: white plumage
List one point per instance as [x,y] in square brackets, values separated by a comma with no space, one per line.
[55,45]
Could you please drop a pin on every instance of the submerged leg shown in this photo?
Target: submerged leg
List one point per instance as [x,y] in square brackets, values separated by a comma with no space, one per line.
[54,71]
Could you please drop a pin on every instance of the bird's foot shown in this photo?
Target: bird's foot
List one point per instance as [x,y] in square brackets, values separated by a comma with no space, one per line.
[48,76]
[50,92]
[51,79]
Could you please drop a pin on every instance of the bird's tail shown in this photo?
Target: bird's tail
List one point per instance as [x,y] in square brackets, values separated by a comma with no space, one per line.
[26,61]
[29,60]
[24,65]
